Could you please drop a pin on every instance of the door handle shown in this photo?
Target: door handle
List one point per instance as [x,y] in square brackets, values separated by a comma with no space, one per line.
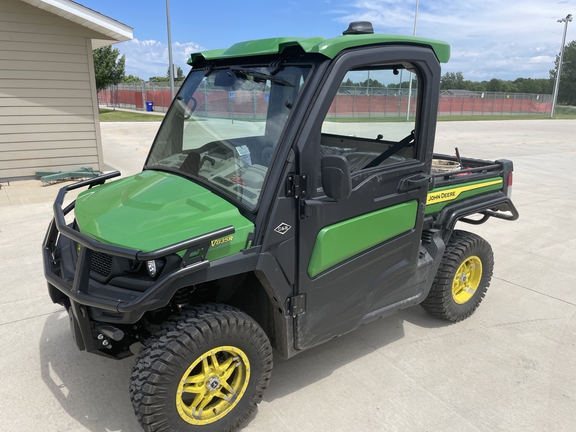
[415,182]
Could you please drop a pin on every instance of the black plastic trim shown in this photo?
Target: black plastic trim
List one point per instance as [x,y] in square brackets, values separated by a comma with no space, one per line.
[123,301]
[489,205]
[123,252]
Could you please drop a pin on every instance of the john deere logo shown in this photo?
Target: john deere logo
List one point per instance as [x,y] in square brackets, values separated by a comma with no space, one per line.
[435,197]
[221,241]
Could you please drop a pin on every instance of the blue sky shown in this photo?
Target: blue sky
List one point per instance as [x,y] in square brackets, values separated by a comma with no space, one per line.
[503,39]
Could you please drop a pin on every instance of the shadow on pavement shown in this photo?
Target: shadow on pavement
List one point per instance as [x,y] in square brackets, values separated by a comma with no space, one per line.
[321,361]
[94,390]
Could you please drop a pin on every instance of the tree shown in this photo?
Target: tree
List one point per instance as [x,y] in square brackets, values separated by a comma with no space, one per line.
[452,81]
[179,74]
[402,85]
[166,78]
[371,83]
[527,85]
[162,79]
[496,85]
[108,68]
[478,86]
[546,85]
[567,89]
[132,79]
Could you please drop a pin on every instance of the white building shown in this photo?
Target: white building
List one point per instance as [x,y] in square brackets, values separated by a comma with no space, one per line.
[48,100]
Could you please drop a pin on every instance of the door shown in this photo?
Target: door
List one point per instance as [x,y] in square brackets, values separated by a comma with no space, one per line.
[357,257]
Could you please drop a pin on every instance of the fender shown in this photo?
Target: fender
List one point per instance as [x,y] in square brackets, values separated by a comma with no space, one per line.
[493,204]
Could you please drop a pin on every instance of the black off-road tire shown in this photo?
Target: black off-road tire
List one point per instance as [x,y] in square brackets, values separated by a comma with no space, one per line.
[196,333]
[463,248]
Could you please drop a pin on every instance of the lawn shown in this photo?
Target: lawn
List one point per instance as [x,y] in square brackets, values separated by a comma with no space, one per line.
[561,113]
[108,115]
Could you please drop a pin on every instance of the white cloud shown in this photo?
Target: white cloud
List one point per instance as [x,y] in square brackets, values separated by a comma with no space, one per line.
[147,58]
[542,59]
[489,38]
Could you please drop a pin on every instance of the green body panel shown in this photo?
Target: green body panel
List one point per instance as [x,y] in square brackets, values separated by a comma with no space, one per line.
[327,47]
[331,47]
[154,209]
[336,243]
[463,191]
[210,54]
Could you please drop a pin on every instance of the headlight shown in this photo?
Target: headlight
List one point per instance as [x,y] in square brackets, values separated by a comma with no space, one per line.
[152,269]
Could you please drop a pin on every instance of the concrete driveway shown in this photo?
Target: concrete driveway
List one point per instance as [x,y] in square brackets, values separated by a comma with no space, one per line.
[510,367]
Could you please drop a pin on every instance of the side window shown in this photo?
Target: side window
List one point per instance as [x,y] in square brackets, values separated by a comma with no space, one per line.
[371,114]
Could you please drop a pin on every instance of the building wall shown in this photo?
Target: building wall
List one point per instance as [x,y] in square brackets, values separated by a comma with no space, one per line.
[48,100]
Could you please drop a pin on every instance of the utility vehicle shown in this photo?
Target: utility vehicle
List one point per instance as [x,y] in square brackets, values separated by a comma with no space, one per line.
[287,199]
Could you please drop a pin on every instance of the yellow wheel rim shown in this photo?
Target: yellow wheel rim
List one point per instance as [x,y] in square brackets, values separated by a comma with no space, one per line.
[467,279]
[213,385]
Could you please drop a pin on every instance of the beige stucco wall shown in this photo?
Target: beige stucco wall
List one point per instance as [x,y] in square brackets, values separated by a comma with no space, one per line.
[48,100]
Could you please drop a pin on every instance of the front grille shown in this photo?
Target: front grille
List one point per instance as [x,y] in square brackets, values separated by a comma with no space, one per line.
[101,263]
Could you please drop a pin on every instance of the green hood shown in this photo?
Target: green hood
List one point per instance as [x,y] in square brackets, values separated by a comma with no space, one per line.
[154,209]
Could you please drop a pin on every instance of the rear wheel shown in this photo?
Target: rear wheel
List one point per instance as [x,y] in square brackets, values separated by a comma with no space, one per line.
[462,278]
[205,370]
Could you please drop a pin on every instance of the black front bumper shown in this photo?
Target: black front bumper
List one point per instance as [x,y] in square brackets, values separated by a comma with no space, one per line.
[90,302]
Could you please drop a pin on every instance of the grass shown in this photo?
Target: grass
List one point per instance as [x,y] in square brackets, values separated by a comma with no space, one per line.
[494,117]
[565,112]
[375,119]
[440,118]
[107,115]
[562,112]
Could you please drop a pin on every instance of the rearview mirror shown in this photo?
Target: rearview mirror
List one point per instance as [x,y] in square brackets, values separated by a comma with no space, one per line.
[228,79]
[336,179]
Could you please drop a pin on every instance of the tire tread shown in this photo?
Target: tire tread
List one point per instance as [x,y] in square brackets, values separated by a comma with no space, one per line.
[439,301]
[190,330]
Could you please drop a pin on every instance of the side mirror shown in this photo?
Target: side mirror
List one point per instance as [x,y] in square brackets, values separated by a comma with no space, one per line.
[336,179]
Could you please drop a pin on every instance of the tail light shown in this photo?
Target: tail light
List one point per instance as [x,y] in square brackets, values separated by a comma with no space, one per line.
[509,181]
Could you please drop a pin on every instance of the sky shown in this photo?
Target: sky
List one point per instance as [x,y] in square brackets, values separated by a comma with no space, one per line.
[504,39]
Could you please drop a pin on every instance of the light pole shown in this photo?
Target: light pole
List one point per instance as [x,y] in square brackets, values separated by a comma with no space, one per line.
[557,85]
[410,86]
[171,67]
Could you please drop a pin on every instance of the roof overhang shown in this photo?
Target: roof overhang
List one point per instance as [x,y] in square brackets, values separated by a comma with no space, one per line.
[327,47]
[111,30]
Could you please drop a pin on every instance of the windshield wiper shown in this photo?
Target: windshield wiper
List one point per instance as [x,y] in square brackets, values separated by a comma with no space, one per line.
[260,75]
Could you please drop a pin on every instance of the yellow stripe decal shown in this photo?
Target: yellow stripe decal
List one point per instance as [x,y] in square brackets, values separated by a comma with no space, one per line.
[452,194]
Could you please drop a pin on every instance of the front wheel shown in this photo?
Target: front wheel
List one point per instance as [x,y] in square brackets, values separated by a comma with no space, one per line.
[462,278]
[206,370]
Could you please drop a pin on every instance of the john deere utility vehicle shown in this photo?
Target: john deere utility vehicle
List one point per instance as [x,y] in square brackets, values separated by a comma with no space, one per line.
[287,199]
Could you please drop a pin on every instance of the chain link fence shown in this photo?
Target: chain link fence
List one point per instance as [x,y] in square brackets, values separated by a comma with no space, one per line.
[462,102]
[138,96]
[349,101]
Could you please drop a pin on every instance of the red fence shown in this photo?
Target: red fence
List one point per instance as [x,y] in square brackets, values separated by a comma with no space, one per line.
[135,98]
[484,106]
[370,105]
[395,105]
[387,102]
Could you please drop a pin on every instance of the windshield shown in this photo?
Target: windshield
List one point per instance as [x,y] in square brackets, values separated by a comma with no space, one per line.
[224,125]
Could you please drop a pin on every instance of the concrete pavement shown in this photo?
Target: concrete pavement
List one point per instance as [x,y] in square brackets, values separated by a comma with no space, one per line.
[510,367]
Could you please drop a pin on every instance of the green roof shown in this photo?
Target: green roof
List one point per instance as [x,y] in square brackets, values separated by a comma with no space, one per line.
[319,45]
